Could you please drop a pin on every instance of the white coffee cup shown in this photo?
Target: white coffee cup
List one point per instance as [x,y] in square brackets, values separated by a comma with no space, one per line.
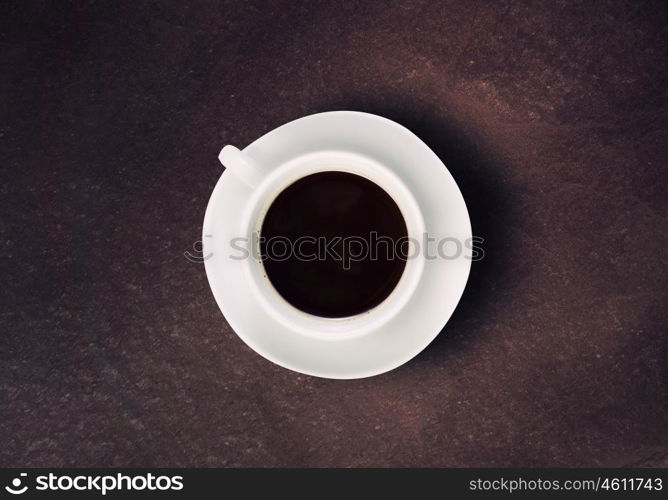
[264,185]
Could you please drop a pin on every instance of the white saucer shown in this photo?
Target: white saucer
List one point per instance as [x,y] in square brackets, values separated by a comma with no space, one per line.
[442,281]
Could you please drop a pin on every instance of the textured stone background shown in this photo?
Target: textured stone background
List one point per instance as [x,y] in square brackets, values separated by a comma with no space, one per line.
[550,115]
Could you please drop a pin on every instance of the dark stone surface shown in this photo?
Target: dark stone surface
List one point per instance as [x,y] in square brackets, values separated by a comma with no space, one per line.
[550,115]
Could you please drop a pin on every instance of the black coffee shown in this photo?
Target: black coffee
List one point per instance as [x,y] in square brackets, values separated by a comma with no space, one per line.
[313,244]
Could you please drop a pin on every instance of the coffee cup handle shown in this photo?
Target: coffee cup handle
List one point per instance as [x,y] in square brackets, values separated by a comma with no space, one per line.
[241,166]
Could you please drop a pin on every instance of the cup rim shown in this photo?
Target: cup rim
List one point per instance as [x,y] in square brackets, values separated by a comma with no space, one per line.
[277,180]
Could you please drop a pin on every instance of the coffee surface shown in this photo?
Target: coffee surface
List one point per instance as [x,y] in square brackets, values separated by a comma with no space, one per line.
[333,244]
